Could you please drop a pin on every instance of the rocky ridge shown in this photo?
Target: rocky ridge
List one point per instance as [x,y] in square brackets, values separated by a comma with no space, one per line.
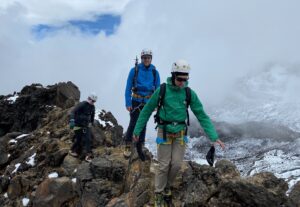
[36,169]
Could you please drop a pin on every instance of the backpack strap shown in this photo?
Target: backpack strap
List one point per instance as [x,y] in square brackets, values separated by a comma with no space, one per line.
[134,80]
[162,92]
[187,103]
[154,77]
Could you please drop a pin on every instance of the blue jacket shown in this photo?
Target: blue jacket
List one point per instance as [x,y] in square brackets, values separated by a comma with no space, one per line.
[145,83]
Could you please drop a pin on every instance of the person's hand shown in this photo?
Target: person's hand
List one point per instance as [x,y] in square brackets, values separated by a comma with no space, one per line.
[72,123]
[135,138]
[220,143]
[129,108]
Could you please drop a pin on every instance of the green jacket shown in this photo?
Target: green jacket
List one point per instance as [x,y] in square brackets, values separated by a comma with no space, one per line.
[174,110]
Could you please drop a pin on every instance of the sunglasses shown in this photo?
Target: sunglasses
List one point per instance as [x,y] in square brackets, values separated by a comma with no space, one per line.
[181,79]
[146,57]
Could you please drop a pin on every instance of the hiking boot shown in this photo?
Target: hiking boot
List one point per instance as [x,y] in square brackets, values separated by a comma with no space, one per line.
[168,196]
[127,151]
[159,200]
[74,154]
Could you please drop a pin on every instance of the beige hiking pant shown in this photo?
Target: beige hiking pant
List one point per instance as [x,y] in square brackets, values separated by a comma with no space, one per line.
[170,157]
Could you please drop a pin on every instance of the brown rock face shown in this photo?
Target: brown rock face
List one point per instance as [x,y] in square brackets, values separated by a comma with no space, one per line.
[54,192]
[33,104]
[295,195]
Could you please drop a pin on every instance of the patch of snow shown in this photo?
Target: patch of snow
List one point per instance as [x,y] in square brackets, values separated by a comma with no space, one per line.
[12,141]
[5,195]
[74,180]
[8,155]
[31,147]
[25,201]
[48,132]
[53,175]
[31,160]
[21,136]
[75,170]
[13,98]
[16,167]
[102,123]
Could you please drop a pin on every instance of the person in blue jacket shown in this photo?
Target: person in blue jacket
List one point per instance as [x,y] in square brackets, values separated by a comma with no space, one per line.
[142,81]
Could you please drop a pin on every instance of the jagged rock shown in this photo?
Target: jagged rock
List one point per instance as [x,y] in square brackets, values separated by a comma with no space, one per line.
[270,182]
[70,164]
[3,155]
[4,182]
[107,169]
[56,158]
[18,186]
[83,173]
[33,104]
[240,193]
[294,196]
[54,192]
[227,170]
[111,132]
[199,182]
[99,192]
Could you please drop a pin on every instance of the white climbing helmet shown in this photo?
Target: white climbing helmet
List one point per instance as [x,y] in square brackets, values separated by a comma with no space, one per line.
[181,66]
[146,52]
[93,97]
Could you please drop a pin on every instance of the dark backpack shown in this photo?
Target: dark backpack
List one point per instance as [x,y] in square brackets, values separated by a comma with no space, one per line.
[136,72]
[160,103]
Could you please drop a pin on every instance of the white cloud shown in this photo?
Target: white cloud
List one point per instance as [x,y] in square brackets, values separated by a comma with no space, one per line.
[58,11]
[222,40]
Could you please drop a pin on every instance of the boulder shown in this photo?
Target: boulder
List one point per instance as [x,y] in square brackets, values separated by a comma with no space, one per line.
[18,186]
[269,181]
[54,192]
[33,104]
[294,196]
[241,193]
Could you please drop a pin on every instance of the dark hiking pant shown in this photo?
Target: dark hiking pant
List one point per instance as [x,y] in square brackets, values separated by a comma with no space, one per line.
[82,142]
[134,115]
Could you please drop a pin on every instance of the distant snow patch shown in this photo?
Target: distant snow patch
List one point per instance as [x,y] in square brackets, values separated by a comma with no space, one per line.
[5,195]
[74,180]
[13,98]
[8,155]
[16,167]
[31,160]
[25,201]
[53,175]
[21,136]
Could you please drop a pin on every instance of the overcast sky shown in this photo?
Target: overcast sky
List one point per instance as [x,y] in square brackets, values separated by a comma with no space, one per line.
[93,43]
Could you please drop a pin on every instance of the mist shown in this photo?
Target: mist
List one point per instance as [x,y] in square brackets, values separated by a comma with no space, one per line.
[224,42]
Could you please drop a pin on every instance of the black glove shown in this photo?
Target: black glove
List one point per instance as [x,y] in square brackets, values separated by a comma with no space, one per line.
[210,156]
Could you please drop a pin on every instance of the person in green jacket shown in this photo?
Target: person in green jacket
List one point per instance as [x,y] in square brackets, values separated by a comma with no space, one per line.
[172,116]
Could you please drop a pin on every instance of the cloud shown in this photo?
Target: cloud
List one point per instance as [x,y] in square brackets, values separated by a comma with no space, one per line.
[222,41]
[106,23]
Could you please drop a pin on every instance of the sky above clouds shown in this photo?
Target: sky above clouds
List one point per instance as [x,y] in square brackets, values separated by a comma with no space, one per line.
[93,43]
